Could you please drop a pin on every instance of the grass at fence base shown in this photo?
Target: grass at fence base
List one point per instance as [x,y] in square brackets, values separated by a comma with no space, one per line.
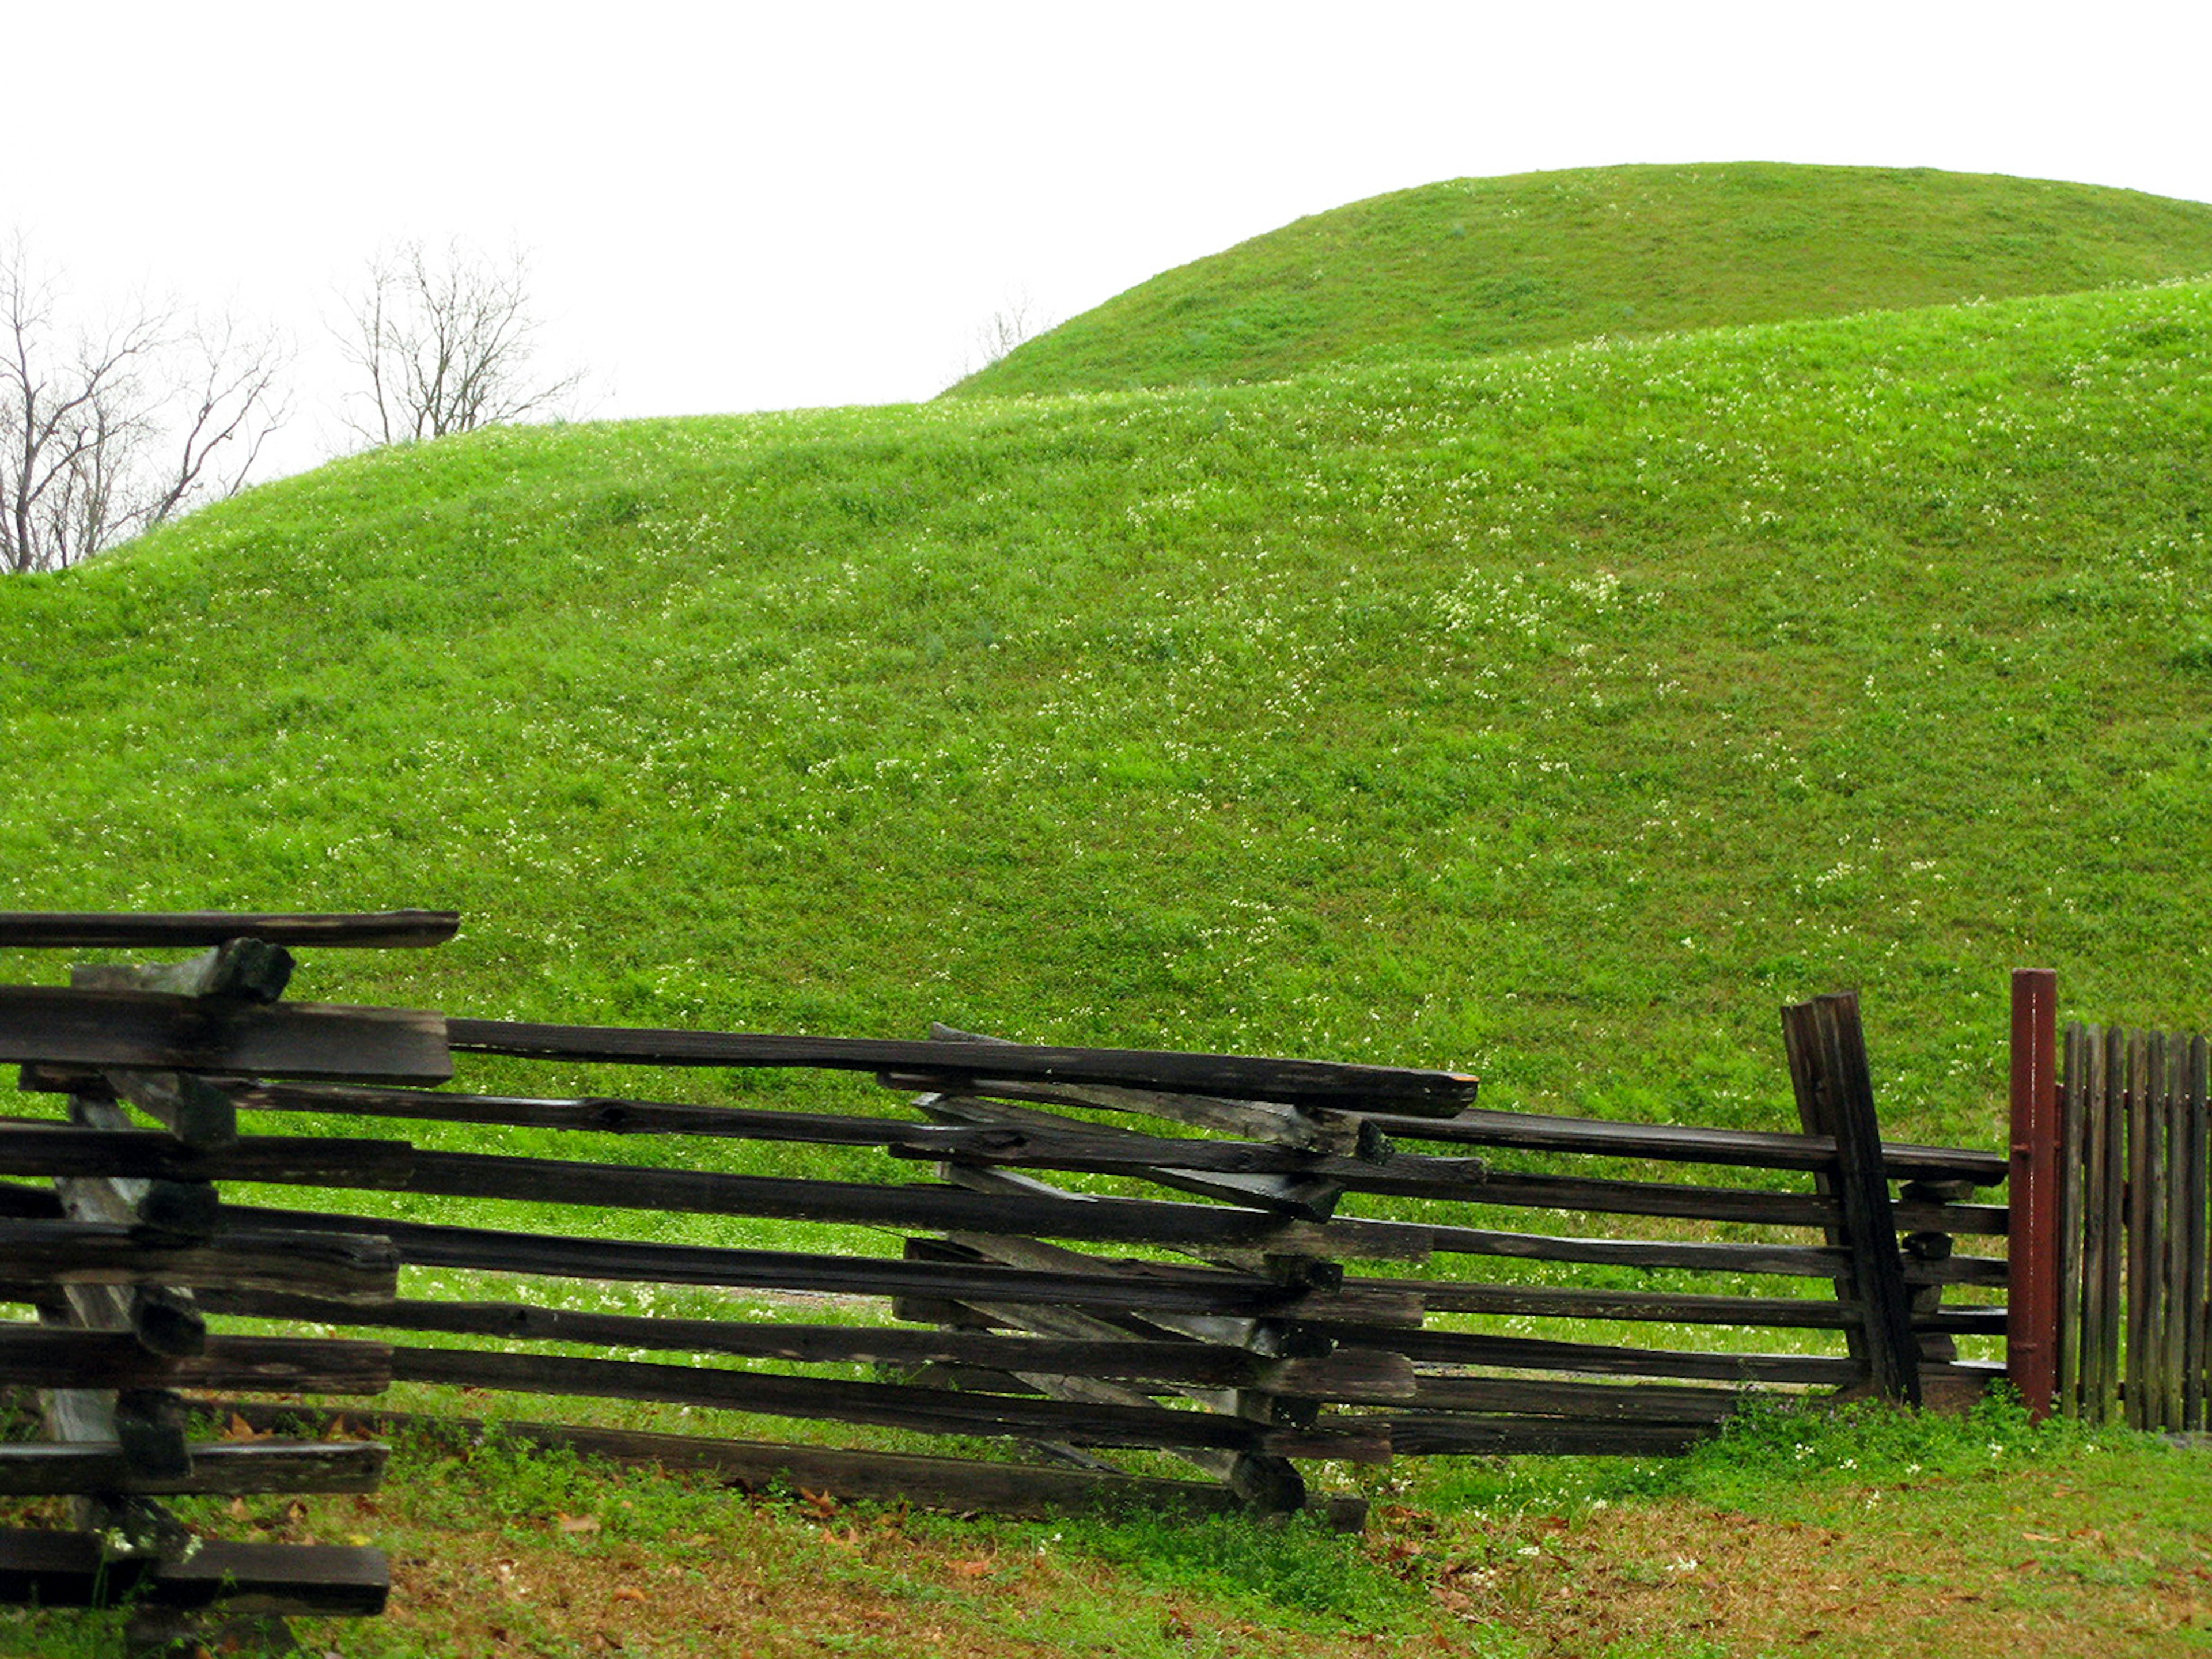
[1864,1532]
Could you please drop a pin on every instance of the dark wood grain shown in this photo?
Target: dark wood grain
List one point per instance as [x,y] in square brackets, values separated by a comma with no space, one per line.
[156,1031]
[152,1154]
[54,1358]
[379,930]
[1015,1489]
[1133,1285]
[46,1469]
[1687,1143]
[1835,1094]
[338,1267]
[922,1410]
[1231,1075]
[71,1570]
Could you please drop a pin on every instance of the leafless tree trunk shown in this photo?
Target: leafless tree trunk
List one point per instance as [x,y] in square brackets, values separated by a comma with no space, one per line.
[1017,320]
[444,345]
[107,432]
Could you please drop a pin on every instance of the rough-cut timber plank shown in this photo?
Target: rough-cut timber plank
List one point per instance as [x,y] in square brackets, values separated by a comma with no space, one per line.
[1537,1354]
[154,1031]
[70,1570]
[2196,1264]
[1630,1402]
[1012,1489]
[1683,1144]
[1138,1286]
[338,1267]
[923,1410]
[2174,1319]
[1050,1143]
[46,1469]
[20,1201]
[153,1155]
[1323,1131]
[55,1357]
[1303,1125]
[1416,1435]
[1291,1080]
[251,968]
[1303,1194]
[2073,1166]
[1403,1176]
[1343,1300]
[1145,1221]
[1266,1338]
[379,930]
[1668,1307]
[1802,1260]
[1014,1128]
[2107,1242]
[1116,1354]
[1594,1196]
[1828,1067]
[1989,1270]
[186,1104]
[2142,1232]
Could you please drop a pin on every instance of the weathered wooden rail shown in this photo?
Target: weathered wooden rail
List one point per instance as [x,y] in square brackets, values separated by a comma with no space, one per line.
[1238,1264]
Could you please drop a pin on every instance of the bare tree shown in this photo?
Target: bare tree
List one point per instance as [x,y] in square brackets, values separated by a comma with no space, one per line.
[106,430]
[1017,318]
[446,344]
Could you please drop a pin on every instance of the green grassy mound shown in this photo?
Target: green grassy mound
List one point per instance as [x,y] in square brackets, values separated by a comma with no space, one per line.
[1557,716]
[1480,266]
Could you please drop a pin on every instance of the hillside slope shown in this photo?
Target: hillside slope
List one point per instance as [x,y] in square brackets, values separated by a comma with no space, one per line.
[1558,716]
[1479,265]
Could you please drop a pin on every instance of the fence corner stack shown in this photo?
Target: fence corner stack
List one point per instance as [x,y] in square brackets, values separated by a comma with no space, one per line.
[117,1263]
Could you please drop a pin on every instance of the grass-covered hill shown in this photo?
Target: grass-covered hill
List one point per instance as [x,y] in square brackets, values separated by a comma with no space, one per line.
[1558,715]
[1477,265]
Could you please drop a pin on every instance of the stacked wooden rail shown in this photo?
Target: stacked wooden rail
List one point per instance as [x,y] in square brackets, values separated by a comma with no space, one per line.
[1236,1264]
[1478,1389]
[113,1255]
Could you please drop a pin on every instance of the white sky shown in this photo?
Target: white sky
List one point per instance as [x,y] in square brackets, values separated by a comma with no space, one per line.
[747,206]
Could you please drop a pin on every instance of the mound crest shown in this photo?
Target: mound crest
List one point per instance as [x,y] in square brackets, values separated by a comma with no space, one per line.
[1473,266]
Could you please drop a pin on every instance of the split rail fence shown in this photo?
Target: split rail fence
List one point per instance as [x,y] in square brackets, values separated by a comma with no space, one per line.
[1234,1264]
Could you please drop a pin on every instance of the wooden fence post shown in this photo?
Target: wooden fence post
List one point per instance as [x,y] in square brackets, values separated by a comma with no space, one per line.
[2035,1185]
[1835,1096]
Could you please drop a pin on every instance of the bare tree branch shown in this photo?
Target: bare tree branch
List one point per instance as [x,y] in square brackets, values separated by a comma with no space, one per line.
[444,345]
[105,432]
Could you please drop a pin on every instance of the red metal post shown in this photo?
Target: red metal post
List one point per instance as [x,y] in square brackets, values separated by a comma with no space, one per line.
[2032,1320]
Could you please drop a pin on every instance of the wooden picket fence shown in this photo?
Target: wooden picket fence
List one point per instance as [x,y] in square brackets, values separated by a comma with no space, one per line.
[2116,1317]
[1206,1292]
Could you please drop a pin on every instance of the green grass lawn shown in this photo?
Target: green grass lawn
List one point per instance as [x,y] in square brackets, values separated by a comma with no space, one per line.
[1555,716]
[1471,266]
[1921,1537]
